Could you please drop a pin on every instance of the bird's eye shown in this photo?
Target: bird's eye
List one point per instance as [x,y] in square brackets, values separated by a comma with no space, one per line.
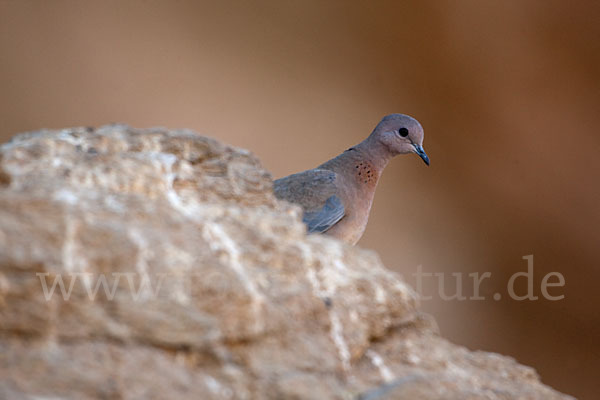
[403,132]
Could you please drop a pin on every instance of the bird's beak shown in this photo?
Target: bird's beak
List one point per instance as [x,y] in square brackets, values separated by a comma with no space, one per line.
[421,153]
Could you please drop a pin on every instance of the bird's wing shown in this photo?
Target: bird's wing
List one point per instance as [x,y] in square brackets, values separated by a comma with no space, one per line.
[315,190]
[321,220]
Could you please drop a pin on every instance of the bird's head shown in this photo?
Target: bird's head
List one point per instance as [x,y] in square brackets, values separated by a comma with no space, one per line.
[401,134]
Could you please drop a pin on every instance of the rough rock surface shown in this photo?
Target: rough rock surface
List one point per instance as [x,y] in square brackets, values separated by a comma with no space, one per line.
[183,277]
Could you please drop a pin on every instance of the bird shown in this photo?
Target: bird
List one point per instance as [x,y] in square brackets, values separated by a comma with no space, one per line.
[336,196]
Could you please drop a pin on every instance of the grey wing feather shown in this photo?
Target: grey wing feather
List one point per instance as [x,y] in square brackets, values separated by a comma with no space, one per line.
[320,221]
[316,191]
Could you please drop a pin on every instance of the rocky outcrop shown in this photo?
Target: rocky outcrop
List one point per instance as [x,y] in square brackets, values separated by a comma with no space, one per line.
[158,264]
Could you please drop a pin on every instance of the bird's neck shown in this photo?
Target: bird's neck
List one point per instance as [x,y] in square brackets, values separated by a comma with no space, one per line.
[364,162]
[374,152]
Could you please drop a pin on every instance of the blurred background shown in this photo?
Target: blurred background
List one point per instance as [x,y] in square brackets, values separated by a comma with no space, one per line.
[508,93]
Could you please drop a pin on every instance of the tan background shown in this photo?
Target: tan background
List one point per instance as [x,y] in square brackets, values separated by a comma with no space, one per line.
[508,93]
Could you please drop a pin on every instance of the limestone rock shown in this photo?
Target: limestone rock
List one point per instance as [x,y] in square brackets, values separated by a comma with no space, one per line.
[158,264]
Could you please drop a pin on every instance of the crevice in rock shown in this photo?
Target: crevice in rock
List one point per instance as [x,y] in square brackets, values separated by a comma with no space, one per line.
[5,178]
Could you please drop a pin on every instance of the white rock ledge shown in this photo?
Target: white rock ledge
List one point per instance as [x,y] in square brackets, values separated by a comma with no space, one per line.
[184,277]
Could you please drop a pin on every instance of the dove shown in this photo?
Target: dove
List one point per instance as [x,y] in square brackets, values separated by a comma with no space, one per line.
[336,197]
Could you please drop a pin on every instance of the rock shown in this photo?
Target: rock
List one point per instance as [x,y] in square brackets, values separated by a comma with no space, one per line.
[158,264]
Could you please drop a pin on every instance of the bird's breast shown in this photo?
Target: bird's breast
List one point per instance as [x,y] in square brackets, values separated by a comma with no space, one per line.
[357,199]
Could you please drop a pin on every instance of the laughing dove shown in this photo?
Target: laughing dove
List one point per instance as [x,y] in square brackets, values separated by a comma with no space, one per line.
[337,195]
